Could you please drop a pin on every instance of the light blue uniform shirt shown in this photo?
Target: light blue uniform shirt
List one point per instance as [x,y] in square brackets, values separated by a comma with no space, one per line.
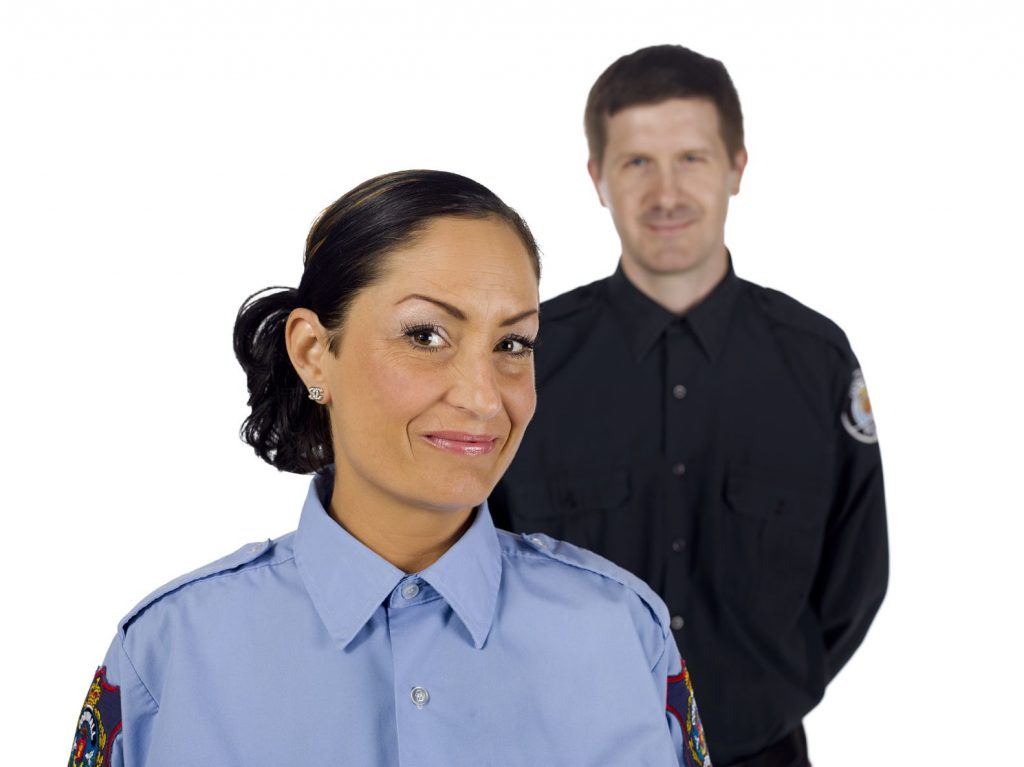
[312,650]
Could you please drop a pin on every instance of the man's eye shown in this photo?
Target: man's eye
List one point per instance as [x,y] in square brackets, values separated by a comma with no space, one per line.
[636,162]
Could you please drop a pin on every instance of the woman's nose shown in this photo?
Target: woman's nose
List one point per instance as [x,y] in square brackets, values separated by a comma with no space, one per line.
[475,387]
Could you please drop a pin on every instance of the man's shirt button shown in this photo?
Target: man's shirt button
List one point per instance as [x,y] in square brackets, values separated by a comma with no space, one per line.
[677,622]
[679,469]
[419,696]
[678,545]
[678,391]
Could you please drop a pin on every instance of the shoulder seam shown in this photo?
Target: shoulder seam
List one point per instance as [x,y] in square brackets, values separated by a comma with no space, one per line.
[126,623]
[124,652]
[543,556]
[830,332]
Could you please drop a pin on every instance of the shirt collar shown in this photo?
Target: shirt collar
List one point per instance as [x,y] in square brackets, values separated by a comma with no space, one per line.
[644,320]
[348,582]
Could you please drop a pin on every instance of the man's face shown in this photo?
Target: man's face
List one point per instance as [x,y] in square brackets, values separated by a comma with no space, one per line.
[666,177]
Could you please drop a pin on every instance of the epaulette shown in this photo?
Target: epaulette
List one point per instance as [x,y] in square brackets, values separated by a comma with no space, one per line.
[572,301]
[243,556]
[574,556]
[787,311]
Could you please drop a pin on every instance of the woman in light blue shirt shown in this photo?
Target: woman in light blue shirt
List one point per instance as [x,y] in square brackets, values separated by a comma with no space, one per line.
[396,626]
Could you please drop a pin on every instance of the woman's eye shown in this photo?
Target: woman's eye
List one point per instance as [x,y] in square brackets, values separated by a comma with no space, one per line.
[515,346]
[425,337]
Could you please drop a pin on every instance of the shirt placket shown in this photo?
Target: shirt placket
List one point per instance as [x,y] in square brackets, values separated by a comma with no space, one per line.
[413,620]
[678,444]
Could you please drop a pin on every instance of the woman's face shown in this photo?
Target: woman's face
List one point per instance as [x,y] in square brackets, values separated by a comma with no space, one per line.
[432,384]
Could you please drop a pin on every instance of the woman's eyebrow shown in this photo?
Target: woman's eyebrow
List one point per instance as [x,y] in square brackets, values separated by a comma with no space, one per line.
[520,316]
[453,311]
[458,314]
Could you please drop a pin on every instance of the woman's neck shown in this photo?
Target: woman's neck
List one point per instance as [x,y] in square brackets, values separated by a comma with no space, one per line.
[408,536]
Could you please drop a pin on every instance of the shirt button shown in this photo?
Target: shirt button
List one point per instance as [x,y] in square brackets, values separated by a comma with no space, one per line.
[678,545]
[254,548]
[539,542]
[419,696]
[676,623]
[410,590]
[678,391]
[679,469]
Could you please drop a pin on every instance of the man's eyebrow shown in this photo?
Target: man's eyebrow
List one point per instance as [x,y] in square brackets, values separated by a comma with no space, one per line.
[458,314]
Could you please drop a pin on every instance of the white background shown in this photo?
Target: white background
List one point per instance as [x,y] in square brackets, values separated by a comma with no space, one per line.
[162,160]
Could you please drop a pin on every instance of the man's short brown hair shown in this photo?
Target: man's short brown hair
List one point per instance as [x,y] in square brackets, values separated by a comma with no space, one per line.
[656,74]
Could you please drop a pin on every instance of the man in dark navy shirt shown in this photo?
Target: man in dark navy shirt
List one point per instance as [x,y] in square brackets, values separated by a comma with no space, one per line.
[711,435]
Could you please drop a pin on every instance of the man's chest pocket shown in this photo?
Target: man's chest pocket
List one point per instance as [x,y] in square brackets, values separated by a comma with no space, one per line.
[776,527]
[585,509]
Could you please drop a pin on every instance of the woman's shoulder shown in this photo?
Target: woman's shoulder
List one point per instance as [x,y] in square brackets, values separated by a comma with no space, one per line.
[192,584]
[581,566]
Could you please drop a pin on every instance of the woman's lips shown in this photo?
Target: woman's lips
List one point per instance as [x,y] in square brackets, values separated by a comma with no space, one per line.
[462,443]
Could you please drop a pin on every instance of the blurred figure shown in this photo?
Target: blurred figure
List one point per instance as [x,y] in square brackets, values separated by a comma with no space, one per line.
[710,435]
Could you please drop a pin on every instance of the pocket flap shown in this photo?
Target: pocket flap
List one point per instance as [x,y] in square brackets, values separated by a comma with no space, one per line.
[573,494]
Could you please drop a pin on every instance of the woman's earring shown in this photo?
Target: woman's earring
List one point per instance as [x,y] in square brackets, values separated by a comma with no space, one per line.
[316,393]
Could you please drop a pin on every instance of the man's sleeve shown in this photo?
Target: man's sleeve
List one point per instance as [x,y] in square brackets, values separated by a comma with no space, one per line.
[854,569]
[114,724]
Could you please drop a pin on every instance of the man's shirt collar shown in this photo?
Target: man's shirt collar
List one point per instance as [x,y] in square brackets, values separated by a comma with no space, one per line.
[644,320]
[348,582]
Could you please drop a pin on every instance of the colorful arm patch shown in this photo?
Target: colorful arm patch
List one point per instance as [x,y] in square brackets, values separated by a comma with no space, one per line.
[683,706]
[98,724]
[857,419]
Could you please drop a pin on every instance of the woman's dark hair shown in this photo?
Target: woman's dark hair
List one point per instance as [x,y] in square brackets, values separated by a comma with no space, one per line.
[345,252]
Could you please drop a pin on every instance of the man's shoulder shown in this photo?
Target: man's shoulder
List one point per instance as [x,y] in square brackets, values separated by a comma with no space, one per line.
[783,311]
[573,302]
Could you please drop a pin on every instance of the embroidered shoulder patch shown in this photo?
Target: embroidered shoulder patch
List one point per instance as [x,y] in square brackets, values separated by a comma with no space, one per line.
[98,724]
[683,706]
[857,417]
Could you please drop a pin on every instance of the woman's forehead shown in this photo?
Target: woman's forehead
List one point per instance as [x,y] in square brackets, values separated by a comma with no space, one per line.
[475,261]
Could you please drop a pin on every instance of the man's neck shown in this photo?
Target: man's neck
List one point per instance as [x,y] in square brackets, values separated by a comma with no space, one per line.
[678,292]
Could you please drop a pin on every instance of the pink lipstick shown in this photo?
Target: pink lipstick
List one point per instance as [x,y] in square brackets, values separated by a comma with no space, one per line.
[462,443]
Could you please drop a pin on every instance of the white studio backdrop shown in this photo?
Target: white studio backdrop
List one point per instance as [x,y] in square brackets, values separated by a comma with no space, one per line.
[162,160]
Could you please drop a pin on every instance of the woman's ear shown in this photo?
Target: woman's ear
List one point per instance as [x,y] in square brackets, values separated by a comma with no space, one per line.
[306,340]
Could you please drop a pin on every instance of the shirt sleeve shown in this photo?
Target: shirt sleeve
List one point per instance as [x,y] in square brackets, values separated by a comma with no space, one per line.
[681,708]
[854,569]
[117,715]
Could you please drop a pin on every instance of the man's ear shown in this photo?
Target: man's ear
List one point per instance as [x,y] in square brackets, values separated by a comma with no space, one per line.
[595,176]
[739,164]
[306,340]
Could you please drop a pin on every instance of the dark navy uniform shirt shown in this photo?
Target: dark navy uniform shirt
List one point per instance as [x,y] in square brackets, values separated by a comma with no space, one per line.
[728,457]
[313,650]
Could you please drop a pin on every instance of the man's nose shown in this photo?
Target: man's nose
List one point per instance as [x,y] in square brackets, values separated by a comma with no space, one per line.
[668,190]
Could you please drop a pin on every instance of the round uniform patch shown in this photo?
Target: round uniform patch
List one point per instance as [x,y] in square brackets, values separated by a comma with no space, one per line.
[98,724]
[680,698]
[857,418]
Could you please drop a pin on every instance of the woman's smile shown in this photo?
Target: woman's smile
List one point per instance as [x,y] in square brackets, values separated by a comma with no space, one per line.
[461,443]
